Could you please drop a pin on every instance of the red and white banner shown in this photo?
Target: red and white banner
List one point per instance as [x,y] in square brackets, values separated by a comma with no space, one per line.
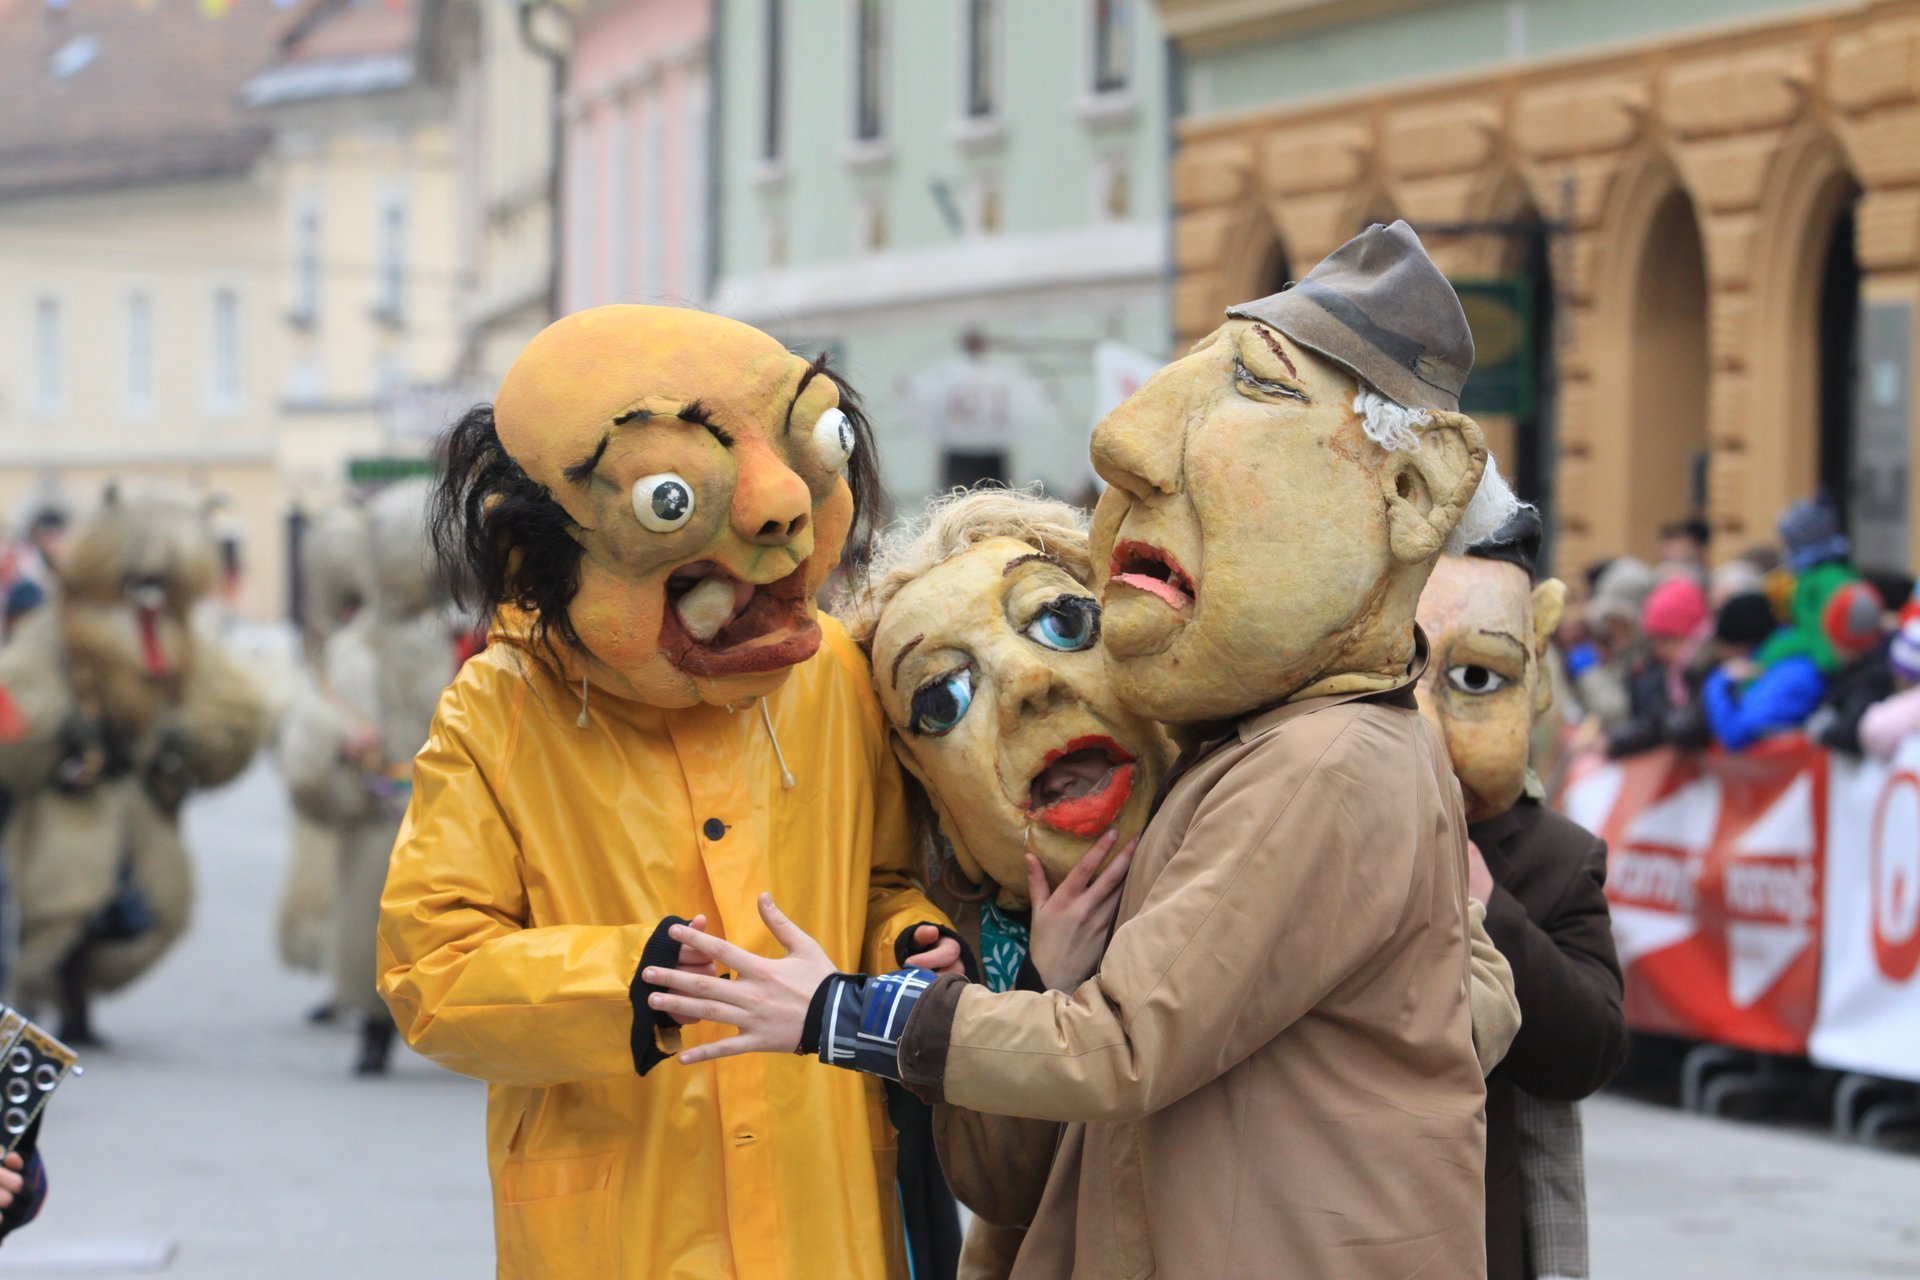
[1714,880]
[1870,975]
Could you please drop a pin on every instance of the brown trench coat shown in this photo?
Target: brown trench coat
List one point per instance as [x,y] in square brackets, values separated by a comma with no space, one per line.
[1273,1073]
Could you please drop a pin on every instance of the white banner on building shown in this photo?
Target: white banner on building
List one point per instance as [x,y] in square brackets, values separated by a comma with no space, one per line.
[1869,1008]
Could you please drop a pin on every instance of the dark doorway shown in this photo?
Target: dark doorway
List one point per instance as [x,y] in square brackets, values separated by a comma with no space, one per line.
[1839,321]
[964,470]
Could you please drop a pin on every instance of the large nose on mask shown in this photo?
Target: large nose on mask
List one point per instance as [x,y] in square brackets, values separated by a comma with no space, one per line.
[1137,446]
[771,504]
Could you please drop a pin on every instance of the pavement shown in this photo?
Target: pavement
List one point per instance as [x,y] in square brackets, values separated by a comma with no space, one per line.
[222,1138]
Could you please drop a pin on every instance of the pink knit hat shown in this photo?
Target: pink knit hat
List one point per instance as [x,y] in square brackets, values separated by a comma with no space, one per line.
[1676,609]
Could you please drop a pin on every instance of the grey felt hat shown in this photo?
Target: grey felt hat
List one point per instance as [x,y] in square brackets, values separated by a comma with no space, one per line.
[1378,306]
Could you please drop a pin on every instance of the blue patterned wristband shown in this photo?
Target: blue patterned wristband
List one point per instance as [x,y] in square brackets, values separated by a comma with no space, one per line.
[865,1018]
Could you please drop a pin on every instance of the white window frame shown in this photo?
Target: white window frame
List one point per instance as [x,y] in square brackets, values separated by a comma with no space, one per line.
[225,360]
[653,194]
[620,219]
[696,118]
[309,232]
[391,268]
[1115,103]
[862,145]
[139,352]
[988,129]
[49,355]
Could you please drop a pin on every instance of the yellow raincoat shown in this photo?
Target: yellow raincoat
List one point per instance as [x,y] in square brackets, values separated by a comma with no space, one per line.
[536,860]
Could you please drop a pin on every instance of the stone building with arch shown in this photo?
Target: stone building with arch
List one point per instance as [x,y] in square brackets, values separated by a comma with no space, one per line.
[1718,204]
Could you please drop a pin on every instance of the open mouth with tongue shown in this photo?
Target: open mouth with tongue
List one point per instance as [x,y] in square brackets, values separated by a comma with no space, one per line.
[1082,786]
[1145,567]
[149,601]
[718,625]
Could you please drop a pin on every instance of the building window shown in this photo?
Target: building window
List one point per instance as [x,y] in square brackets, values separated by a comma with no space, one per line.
[139,353]
[46,356]
[693,189]
[653,195]
[582,289]
[390,307]
[225,390]
[306,263]
[982,69]
[868,124]
[620,204]
[1112,45]
[773,80]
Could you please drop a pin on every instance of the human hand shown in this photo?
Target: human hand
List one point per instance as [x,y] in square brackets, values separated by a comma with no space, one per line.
[1479,879]
[942,955]
[692,961]
[767,999]
[13,1179]
[1070,923]
[1740,670]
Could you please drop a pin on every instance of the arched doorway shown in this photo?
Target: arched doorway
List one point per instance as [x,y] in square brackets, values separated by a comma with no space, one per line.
[1836,339]
[1665,391]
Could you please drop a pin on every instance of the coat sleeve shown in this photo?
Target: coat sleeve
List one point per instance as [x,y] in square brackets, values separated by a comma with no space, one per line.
[1887,723]
[1490,992]
[469,984]
[1289,880]
[1780,699]
[1573,1035]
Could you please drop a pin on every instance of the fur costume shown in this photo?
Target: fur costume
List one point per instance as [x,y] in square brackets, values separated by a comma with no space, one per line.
[129,708]
[336,580]
[351,739]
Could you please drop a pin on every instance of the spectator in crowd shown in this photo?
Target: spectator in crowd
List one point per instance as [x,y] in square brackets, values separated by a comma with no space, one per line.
[1664,688]
[1743,624]
[1735,577]
[39,559]
[1612,620]
[22,598]
[1855,625]
[1810,535]
[1683,548]
[1748,699]
[1887,723]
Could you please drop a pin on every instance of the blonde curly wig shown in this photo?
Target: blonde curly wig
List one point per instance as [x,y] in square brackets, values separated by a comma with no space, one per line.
[951,523]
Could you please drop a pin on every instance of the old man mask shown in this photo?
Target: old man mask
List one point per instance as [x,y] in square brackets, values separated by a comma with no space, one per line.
[1277,497]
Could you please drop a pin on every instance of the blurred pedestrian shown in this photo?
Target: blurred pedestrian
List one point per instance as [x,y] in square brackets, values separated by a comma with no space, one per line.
[1854,622]
[1683,549]
[1612,618]
[1889,722]
[1663,689]
[1780,687]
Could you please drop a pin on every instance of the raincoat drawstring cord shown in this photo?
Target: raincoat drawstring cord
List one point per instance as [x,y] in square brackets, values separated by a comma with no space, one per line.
[766,718]
[582,721]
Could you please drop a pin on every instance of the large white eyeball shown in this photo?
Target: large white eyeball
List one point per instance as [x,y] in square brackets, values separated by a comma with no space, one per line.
[663,502]
[833,439]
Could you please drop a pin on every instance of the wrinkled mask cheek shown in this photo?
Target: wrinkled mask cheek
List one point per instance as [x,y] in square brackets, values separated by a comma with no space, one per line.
[1489,750]
[617,619]
[832,522]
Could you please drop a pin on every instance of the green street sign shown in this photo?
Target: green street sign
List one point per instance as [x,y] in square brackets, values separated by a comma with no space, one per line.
[1500,313]
[387,470]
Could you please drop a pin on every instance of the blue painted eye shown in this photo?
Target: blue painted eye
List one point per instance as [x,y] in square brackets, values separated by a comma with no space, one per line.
[1069,624]
[939,704]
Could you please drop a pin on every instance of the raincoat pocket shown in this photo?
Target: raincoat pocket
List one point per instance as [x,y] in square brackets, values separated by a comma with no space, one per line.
[556,1218]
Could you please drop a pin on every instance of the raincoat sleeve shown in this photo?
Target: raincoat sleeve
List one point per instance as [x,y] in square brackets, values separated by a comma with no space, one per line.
[1263,910]
[470,986]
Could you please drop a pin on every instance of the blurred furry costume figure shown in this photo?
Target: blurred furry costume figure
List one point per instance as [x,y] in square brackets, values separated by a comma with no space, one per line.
[349,747]
[128,708]
[336,581]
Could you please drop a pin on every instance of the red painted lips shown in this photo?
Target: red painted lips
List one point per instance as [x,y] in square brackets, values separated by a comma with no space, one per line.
[1082,786]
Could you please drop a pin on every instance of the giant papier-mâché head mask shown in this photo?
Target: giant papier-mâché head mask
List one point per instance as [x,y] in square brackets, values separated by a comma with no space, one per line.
[1489,624]
[984,639]
[700,464]
[1277,497]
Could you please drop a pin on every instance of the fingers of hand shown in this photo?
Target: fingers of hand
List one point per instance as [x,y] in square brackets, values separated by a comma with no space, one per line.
[942,956]
[730,1047]
[685,1009]
[1037,890]
[687,983]
[786,932]
[13,1161]
[713,948]
[1116,871]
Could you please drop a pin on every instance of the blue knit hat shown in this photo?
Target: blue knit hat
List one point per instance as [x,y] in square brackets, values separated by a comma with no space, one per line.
[1811,533]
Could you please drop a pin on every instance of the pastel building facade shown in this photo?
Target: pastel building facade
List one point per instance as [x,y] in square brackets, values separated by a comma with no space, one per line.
[960,200]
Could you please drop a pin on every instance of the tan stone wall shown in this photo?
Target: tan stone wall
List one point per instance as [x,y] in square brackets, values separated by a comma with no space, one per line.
[1766,131]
